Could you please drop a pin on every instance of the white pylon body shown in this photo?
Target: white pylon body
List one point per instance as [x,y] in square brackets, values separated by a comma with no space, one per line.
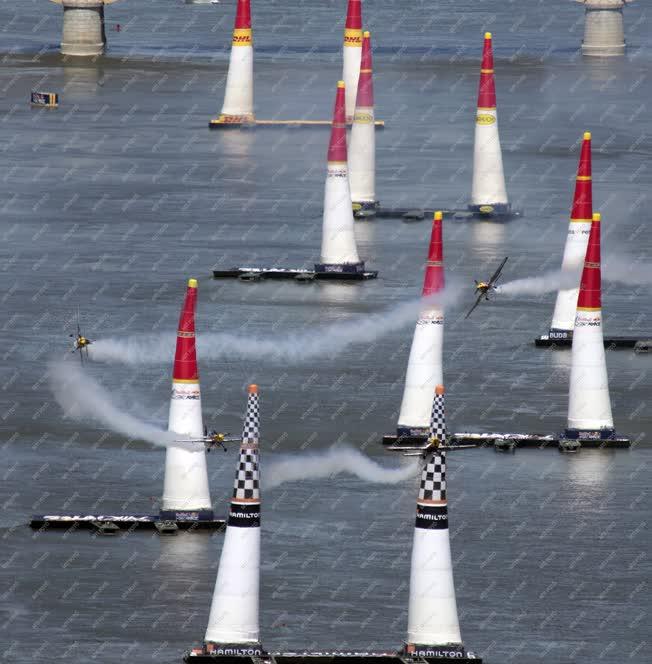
[563,317]
[488,192]
[234,611]
[185,487]
[352,54]
[362,143]
[362,157]
[488,176]
[350,73]
[424,372]
[338,246]
[432,609]
[579,229]
[433,624]
[239,93]
[589,404]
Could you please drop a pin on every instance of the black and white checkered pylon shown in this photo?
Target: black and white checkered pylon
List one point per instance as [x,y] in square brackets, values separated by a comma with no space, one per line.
[251,428]
[433,478]
[438,420]
[247,475]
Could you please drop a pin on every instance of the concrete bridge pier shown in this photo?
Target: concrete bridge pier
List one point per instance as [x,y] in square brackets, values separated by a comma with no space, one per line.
[604,34]
[83,27]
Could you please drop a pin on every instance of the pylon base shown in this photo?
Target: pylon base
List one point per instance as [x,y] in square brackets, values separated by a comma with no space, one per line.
[108,524]
[365,209]
[218,123]
[564,339]
[198,656]
[490,210]
[299,275]
[457,214]
[506,441]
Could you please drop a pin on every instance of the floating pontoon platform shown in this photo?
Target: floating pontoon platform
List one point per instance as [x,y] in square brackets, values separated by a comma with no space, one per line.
[109,523]
[565,340]
[259,273]
[198,656]
[502,441]
[418,214]
[216,123]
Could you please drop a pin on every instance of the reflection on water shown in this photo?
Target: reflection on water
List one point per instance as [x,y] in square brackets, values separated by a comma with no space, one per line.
[187,550]
[487,233]
[234,142]
[365,234]
[80,82]
[591,469]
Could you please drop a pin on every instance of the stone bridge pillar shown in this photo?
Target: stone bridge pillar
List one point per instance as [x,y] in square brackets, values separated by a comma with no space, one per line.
[604,34]
[83,27]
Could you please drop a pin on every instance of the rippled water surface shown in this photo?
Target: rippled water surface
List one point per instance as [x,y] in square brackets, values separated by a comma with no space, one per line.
[111,202]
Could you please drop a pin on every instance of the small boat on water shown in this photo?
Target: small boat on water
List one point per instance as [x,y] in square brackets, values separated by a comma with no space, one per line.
[44,99]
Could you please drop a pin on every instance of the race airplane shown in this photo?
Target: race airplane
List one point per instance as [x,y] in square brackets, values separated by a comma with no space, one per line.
[81,343]
[433,445]
[213,439]
[483,287]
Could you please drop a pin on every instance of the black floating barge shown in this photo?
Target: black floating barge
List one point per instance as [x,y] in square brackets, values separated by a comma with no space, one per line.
[503,441]
[219,123]
[565,340]
[418,214]
[300,275]
[326,657]
[108,524]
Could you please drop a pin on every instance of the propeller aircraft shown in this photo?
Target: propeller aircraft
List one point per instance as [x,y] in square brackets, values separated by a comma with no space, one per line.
[482,288]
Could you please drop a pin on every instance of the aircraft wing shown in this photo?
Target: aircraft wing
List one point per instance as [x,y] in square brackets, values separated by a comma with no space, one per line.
[477,302]
[496,274]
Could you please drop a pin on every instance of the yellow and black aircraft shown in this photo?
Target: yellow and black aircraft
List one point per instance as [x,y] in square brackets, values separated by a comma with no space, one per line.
[81,343]
[434,444]
[482,288]
[213,439]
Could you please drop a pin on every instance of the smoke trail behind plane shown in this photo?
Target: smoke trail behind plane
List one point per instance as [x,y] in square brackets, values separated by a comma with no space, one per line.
[324,341]
[545,283]
[626,270]
[83,398]
[335,460]
[615,268]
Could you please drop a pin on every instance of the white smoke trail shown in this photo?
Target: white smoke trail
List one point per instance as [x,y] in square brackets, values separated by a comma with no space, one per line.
[81,397]
[626,270]
[545,283]
[294,347]
[615,268]
[333,461]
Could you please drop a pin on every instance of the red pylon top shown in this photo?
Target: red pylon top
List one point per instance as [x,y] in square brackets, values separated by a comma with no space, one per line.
[433,280]
[583,198]
[185,358]
[337,145]
[590,285]
[487,89]
[354,15]
[365,96]
[243,15]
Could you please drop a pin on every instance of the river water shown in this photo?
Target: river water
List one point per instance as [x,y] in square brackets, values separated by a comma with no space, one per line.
[111,202]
